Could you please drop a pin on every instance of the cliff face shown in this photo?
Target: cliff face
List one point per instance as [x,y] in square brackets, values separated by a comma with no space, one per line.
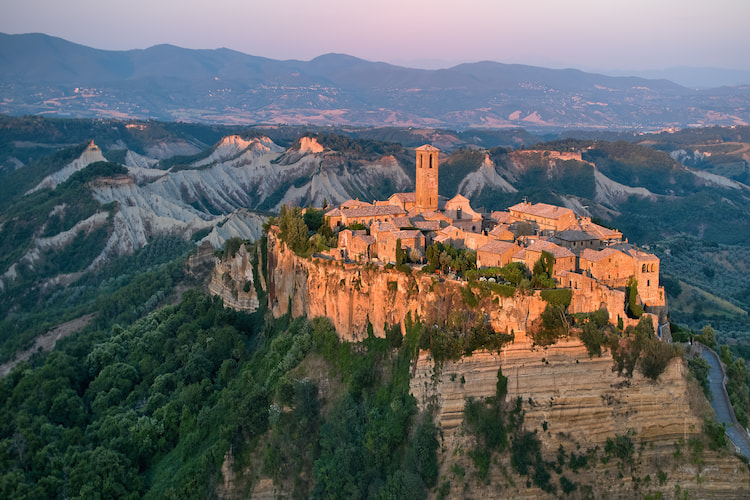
[351,294]
[232,280]
[577,402]
[569,399]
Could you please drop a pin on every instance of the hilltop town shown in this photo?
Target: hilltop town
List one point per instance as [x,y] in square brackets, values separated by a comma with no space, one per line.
[586,256]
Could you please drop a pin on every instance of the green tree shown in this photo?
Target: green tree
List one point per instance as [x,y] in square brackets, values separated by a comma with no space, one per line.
[294,231]
[634,309]
[708,337]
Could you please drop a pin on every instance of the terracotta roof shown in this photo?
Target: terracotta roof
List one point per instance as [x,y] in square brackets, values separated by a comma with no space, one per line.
[371,211]
[427,225]
[541,210]
[557,252]
[574,235]
[450,230]
[382,226]
[431,215]
[333,213]
[366,238]
[501,217]
[500,228]
[458,199]
[496,246]
[401,222]
[427,147]
[597,255]
[597,231]
[639,255]
[405,197]
[348,204]
[400,235]
[407,234]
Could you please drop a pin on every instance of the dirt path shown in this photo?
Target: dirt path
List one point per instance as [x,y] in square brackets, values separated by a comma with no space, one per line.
[47,341]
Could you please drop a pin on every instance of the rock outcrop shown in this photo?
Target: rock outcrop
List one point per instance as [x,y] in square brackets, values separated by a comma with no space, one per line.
[579,403]
[91,154]
[569,399]
[350,295]
[232,280]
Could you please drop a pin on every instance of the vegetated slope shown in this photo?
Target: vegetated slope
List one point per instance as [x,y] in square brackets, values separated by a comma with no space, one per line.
[707,284]
[68,215]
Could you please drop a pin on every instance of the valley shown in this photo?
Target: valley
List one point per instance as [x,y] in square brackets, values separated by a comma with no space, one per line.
[210,341]
[223,86]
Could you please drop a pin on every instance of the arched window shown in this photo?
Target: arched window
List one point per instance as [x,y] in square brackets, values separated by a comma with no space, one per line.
[430,161]
[644,268]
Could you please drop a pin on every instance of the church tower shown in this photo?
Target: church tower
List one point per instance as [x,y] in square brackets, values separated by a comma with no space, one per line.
[427,177]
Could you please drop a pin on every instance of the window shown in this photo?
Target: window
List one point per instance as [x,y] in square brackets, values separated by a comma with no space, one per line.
[430,161]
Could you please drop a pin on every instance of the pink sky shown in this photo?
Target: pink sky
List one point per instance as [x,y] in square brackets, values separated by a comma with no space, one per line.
[587,34]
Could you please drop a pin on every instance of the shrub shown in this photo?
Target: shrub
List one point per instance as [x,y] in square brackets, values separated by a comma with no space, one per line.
[567,485]
[655,357]
[716,433]
[621,447]
[404,268]
[699,368]
[634,310]
[593,338]
[554,325]
[561,297]
[468,296]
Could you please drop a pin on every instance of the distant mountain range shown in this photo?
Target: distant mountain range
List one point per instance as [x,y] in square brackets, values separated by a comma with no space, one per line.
[40,74]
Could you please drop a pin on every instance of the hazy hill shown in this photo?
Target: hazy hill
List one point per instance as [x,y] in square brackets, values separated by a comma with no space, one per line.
[225,86]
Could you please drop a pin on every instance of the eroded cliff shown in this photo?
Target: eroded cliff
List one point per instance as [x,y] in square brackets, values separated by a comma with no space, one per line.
[578,403]
[351,294]
[232,280]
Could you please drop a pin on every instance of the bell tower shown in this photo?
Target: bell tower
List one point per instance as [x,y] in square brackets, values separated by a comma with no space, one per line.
[427,177]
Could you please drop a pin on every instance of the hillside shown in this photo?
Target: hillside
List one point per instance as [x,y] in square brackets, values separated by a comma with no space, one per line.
[158,390]
[632,444]
[171,182]
[223,86]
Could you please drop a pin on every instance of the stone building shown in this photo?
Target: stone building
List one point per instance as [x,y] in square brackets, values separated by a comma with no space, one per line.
[496,254]
[544,218]
[426,196]
[565,260]
[610,266]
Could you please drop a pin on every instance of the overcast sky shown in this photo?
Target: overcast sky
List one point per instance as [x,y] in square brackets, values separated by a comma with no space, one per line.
[598,35]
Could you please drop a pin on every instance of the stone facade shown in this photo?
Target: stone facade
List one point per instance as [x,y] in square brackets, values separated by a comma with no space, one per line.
[427,178]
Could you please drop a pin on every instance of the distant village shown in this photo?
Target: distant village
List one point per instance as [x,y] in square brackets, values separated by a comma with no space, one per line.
[585,254]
